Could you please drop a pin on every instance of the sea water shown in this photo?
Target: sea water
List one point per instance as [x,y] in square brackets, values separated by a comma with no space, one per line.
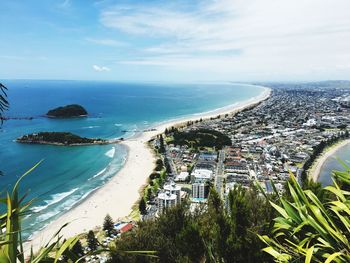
[67,175]
[334,163]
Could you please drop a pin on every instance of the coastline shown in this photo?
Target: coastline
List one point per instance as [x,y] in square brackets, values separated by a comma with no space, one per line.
[314,172]
[120,193]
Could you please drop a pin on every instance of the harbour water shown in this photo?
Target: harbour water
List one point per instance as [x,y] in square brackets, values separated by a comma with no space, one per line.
[68,174]
[333,164]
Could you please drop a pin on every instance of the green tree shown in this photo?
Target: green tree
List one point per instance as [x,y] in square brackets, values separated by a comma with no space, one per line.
[167,166]
[78,249]
[161,144]
[148,193]
[92,240]
[142,206]
[215,232]
[108,225]
[159,165]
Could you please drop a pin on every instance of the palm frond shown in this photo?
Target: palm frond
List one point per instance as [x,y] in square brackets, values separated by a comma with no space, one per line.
[310,229]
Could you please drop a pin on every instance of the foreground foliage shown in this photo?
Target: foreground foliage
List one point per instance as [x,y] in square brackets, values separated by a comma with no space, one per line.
[11,242]
[312,230]
[4,104]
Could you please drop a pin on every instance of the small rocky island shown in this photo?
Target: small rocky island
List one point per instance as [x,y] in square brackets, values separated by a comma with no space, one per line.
[61,139]
[68,111]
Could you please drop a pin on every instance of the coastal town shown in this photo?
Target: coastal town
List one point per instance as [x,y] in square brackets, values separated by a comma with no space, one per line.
[259,145]
[281,135]
[213,131]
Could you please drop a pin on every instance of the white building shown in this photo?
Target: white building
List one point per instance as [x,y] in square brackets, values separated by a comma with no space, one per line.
[166,200]
[183,176]
[202,174]
[174,189]
[200,190]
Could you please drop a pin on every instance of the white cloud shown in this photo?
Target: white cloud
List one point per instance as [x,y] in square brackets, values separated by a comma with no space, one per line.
[106,42]
[65,4]
[100,68]
[283,37]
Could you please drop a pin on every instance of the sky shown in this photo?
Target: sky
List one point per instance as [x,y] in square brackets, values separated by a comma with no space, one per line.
[175,40]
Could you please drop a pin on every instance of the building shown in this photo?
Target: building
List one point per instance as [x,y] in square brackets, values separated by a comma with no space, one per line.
[174,189]
[201,174]
[236,167]
[182,177]
[166,200]
[207,156]
[200,190]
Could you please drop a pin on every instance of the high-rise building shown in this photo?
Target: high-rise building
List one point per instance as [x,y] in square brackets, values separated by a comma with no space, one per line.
[200,190]
[166,200]
[174,189]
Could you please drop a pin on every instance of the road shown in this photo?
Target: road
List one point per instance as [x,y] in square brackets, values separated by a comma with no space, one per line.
[219,177]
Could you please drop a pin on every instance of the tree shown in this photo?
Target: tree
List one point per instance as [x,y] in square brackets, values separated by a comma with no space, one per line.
[167,165]
[161,144]
[311,229]
[148,193]
[142,206]
[215,232]
[92,241]
[78,249]
[159,165]
[108,225]
[174,235]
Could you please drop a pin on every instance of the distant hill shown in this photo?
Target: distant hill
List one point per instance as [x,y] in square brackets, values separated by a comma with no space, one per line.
[69,111]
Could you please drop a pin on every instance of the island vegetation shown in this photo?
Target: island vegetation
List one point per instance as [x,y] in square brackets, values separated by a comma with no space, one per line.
[68,111]
[59,138]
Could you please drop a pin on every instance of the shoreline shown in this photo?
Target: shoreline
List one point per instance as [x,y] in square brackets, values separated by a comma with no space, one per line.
[315,170]
[121,192]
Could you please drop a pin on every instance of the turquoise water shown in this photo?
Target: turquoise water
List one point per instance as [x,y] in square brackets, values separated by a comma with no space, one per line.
[68,174]
[332,163]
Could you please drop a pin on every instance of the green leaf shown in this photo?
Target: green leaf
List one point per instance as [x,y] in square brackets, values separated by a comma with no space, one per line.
[332,257]
[309,254]
[279,210]
[67,244]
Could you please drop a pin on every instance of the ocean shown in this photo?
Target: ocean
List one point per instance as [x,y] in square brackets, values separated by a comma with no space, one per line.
[332,164]
[67,175]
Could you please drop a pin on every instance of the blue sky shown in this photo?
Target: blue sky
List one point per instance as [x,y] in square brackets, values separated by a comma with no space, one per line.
[209,40]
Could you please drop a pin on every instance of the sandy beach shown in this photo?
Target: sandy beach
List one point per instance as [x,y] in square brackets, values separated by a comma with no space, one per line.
[315,170]
[120,193]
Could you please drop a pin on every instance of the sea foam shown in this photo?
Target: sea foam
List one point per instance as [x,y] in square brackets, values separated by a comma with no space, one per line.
[55,198]
[98,174]
[91,127]
[110,153]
